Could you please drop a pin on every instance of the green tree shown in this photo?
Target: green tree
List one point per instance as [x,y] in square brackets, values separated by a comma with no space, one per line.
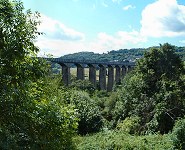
[178,134]
[90,119]
[83,85]
[154,91]
[33,114]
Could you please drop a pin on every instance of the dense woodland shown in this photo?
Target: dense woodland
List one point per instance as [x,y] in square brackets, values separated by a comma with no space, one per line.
[146,111]
[119,55]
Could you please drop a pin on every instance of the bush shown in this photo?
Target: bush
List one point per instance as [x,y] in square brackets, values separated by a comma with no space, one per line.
[83,85]
[129,125]
[118,140]
[41,121]
[178,134]
[88,112]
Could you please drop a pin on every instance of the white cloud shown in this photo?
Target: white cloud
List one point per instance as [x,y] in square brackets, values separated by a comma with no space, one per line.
[121,39]
[59,39]
[102,43]
[58,47]
[163,18]
[128,7]
[54,29]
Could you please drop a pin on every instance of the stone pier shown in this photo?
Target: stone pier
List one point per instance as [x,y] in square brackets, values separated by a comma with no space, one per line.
[92,74]
[102,77]
[118,74]
[80,72]
[110,82]
[66,76]
[123,71]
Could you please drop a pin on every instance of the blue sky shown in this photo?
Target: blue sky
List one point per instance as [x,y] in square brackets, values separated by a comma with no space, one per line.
[102,25]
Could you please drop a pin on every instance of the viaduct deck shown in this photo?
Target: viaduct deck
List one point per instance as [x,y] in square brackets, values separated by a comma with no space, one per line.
[120,63]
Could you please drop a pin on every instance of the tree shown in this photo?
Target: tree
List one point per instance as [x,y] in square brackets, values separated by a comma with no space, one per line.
[90,119]
[83,85]
[154,91]
[33,115]
[178,134]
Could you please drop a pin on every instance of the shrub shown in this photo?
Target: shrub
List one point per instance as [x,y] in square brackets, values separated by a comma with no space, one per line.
[83,85]
[178,134]
[129,125]
[41,121]
[118,140]
[88,112]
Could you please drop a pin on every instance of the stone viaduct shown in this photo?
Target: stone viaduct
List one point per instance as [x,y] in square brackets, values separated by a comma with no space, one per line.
[105,69]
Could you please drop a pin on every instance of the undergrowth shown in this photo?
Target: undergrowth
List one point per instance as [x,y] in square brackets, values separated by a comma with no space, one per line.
[116,140]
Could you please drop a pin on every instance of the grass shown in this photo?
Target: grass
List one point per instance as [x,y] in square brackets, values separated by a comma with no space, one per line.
[118,140]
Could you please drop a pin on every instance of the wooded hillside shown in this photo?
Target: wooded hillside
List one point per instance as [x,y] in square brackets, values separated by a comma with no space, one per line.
[118,55]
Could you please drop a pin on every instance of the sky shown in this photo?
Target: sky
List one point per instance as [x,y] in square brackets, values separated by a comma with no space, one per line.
[99,26]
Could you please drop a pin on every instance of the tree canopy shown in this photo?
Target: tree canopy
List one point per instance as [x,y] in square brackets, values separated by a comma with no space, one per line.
[154,91]
[33,115]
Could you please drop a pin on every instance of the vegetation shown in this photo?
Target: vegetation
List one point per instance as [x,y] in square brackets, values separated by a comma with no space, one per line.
[147,104]
[178,134]
[33,115]
[154,91]
[89,113]
[116,140]
[119,55]
[37,112]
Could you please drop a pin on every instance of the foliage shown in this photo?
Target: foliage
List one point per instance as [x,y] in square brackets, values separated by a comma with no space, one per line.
[118,140]
[118,55]
[84,85]
[106,102]
[109,104]
[88,112]
[129,125]
[33,114]
[41,121]
[178,134]
[153,91]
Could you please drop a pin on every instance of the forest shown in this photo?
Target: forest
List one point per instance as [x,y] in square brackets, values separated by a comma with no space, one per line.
[146,111]
[119,55]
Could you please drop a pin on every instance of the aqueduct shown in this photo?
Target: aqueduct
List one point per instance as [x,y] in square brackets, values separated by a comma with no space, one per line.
[107,77]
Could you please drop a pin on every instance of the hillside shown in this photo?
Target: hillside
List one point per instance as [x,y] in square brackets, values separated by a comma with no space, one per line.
[117,55]
[114,55]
